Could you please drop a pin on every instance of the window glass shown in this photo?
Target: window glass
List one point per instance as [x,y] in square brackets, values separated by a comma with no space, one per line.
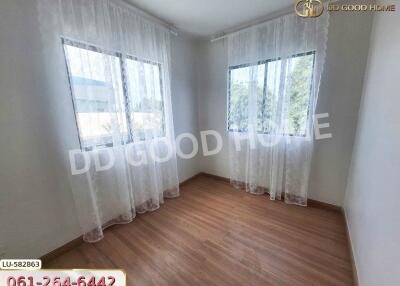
[268,76]
[241,78]
[299,89]
[98,96]
[146,99]
[107,110]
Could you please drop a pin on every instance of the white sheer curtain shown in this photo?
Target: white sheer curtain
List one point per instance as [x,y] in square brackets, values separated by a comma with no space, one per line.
[116,65]
[274,77]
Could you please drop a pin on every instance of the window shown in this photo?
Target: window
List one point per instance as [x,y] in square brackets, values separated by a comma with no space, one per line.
[103,105]
[146,99]
[265,78]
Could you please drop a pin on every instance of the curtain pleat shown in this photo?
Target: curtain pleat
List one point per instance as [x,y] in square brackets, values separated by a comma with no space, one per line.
[118,65]
[275,70]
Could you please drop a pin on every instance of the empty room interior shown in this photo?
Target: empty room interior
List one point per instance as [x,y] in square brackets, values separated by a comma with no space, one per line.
[225,142]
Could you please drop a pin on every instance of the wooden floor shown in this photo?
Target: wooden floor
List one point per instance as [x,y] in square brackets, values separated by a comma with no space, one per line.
[216,235]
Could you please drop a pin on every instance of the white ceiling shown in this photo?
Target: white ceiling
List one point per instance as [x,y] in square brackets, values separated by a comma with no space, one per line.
[202,18]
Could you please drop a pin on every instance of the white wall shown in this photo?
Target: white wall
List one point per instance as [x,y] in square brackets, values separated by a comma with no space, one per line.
[372,196]
[184,101]
[340,93]
[36,204]
[211,97]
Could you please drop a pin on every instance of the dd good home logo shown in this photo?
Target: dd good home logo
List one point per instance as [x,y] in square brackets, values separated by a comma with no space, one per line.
[309,8]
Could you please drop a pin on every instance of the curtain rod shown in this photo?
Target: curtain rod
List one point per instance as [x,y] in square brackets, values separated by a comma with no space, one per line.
[284,12]
[147,16]
[253,24]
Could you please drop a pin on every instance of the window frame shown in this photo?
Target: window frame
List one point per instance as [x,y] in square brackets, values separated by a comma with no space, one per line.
[124,78]
[124,74]
[265,63]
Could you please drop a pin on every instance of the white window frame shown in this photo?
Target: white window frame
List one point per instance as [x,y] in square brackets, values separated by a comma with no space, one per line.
[130,136]
[265,62]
